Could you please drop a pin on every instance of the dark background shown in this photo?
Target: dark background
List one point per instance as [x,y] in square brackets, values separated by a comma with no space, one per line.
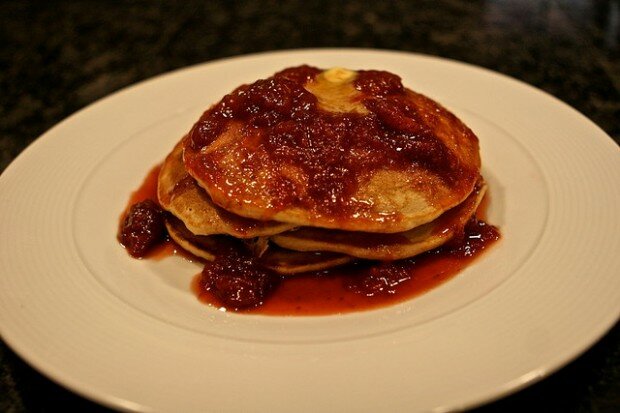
[57,57]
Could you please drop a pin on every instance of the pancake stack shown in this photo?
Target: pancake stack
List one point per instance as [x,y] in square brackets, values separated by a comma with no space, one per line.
[311,169]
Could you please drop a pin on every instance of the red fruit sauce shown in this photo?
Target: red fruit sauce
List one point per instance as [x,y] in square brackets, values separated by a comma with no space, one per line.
[362,285]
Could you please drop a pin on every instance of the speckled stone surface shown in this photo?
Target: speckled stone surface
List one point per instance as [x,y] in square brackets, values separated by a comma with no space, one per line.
[57,57]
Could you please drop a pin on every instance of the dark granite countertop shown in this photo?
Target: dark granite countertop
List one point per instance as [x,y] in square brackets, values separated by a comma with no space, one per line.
[57,57]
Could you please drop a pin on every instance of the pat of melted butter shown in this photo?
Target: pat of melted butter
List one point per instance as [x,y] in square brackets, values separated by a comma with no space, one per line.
[339,75]
[335,91]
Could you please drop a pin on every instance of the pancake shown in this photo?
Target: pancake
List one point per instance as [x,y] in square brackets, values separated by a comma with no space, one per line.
[352,151]
[178,193]
[287,262]
[282,261]
[385,247]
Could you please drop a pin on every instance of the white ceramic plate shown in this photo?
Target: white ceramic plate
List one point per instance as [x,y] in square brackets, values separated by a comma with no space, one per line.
[130,334]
